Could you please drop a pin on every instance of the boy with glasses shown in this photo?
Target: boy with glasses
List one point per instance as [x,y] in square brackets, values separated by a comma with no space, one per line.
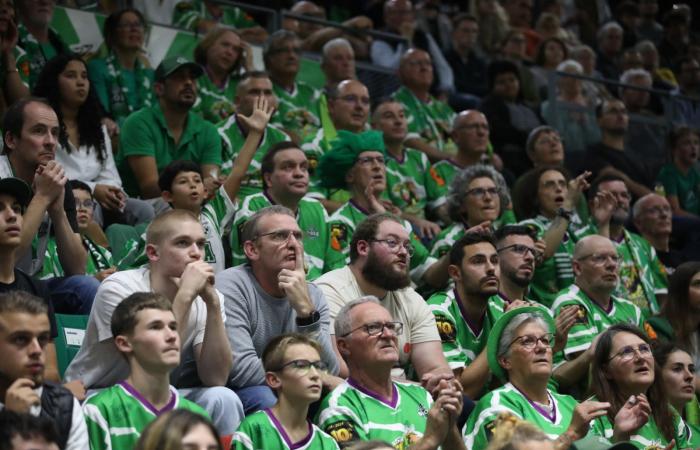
[294,370]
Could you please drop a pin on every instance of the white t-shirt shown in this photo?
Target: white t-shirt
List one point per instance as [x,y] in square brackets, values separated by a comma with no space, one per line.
[99,364]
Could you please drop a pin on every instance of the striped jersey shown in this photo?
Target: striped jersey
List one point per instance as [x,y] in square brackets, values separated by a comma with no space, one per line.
[262,431]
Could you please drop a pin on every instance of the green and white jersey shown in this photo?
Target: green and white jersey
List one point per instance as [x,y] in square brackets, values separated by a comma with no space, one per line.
[441,175]
[317,145]
[431,121]
[215,218]
[555,273]
[116,416]
[99,259]
[407,182]
[262,431]
[233,139]
[297,111]
[648,436]
[21,64]
[342,224]
[552,419]
[596,319]
[311,218]
[188,13]
[38,53]
[351,413]
[215,103]
[444,241]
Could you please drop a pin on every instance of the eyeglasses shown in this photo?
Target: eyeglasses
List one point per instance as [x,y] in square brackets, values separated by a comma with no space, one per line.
[355,99]
[377,328]
[599,259]
[368,160]
[481,192]
[85,204]
[529,341]
[280,236]
[395,246]
[303,366]
[628,353]
[520,249]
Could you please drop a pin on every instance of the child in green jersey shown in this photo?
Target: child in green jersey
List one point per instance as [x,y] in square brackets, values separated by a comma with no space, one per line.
[146,334]
[294,370]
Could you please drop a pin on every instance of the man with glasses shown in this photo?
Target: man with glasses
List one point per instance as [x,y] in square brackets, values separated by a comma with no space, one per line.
[270,296]
[596,265]
[652,216]
[370,405]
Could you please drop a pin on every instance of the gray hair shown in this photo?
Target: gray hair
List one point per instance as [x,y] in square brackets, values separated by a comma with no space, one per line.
[637,207]
[458,188]
[250,228]
[333,44]
[629,74]
[343,321]
[277,37]
[606,28]
[645,46]
[508,334]
[570,64]
[535,135]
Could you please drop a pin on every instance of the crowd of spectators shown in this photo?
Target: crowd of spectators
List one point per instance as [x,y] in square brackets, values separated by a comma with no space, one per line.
[501,253]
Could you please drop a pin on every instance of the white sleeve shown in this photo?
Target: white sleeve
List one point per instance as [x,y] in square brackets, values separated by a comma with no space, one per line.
[78,437]
[109,174]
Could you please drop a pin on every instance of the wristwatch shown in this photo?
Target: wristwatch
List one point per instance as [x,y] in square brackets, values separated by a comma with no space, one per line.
[312,318]
[565,213]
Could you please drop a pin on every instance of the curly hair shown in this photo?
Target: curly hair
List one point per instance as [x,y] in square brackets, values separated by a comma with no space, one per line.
[460,184]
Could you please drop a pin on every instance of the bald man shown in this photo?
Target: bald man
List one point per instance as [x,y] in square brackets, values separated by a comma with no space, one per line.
[652,216]
[596,265]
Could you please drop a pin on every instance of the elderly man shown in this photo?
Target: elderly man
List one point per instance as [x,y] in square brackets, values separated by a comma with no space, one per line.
[652,216]
[609,48]
[370,405]
[337,64]
[596,264]
[267,297]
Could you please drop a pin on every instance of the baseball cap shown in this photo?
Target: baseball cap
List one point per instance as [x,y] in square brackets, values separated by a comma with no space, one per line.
[18,189]
[169,65]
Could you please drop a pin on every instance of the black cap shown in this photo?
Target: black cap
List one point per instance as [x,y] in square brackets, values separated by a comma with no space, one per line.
[18,189]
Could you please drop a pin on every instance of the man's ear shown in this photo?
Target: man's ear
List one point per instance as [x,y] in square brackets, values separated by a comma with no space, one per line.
[362,248]
[454,272]
[342,345]
[10,141]
[123,344]
[152,252]
[167,196]
[251,251]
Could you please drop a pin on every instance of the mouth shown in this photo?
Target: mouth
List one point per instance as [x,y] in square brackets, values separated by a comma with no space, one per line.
[643,370]
[527,268]
[559,199]
[610,277]
[35,368]
[541,360]
[316,387]
[491,280]
[688,388]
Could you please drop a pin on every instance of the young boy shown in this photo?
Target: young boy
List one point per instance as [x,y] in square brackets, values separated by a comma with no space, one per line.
[145,333]
[293,370]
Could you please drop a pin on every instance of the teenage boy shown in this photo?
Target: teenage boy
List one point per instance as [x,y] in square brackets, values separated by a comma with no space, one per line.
[145,333]
[294,370]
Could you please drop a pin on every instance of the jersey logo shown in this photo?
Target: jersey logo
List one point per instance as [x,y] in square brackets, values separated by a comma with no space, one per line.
[446,329]
[581,316]
[436,177]
[422,411]
[339,233]
[406,440]
[343,431]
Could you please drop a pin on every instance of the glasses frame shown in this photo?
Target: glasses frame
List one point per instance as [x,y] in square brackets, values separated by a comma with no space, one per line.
[394,248]
[294,233]
[635,351]
[319,366]
[398,331]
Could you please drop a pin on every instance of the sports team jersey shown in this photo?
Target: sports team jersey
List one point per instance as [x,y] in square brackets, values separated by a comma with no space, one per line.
[21,64]
[233,140]
[99,259]
[188,13]
[407,182]
[431,121]
[116,416]
[262,431]
[317,145]
[311,218]
[215,103]
[216,215]
[441,175]
[444,241]
[38,53]
[596,319]
[648,436]
[297,111]
[351,413]
[509,399]
[342,226]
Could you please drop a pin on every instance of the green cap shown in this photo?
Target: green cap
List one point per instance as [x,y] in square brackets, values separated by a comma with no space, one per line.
[592,442]
[497,331]
[18,189]
[344,151]
[173,63]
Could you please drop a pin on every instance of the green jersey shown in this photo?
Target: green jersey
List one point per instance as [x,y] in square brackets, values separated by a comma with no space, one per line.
[311,218]
[431,121]
[21,64]
[596,319]
[262,431]
[233,139]
[188,13]
[408,184]
[215,103]
[447,237]
[441,175]
[342,226]
[99,259]
[351,412]
[685,186]
[297,111]
[552,419]
[116,416]
[39,53]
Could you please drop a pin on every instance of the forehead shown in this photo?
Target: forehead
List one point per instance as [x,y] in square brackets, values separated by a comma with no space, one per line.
[655,200]
[300,351]
[481,182]
[613,186]
[129,16]
[679,356]
[339,50]
[471,117]
[75,65]
[599,245]
[276,222]
[546,133]
[390,107]
[390,227]
[623,339]
[369,312]
[551,175]
[530,327]
[229,36]
[176,229]
[7,199]
[285,42]
[517,239]
[417,55]
[613,104]
[13,322]
[352,87]
[81,193]
[256,83]
[148,315]
[290,154]
[38,113]
[468,24]
[480,248]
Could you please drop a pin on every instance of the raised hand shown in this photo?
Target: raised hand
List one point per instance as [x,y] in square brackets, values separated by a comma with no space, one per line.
[8,40]
[604,205]
[197,276]
[293,283]
[576,187]
[375,206]
[20,396]
[564,321]
[583,414]
[631,417]
[259,118]
[49,181]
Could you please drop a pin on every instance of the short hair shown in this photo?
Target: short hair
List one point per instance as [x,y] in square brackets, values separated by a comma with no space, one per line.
[464,17]
[209,39]
[13,121]
[606,28]
[343,321]
[637,207]
[111,24]
[535,135]
[22,302]
[250,228]
[159,228]
[579,50]
[123,320]
[570,64]
[367,230]
[13,424]
[475,237]
[79,185]
[516,322]
[275,39]
[383,101]
[273,355]
[257,74]
[460,183]
[600,107]
[332,45]
[267,165]
[595,184]
[172,170]
[514,230]
[167,431]
[644,46]
[629,74]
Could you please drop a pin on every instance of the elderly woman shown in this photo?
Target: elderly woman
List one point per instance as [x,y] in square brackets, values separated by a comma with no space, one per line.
[478,194]
[520,353]
[624,375]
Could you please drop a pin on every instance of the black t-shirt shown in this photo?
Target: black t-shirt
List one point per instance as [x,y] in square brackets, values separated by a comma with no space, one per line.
[600,155]
[38,288]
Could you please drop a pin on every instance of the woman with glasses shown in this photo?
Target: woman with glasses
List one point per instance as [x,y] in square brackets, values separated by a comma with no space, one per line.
[294,370]
[624,374]
[520,354]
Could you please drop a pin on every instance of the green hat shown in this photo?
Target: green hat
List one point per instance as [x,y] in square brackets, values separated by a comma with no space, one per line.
[18,189]
[169,65]
[497,331]
[344,151]
[592,442]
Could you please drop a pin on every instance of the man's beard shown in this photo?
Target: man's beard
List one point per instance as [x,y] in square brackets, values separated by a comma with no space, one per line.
[520,281]
[619,216]
[383,275]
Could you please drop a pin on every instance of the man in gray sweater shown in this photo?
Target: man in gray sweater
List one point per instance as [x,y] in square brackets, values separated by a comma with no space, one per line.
[269,296]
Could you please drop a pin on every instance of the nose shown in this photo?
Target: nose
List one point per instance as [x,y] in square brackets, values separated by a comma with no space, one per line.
[195,251]
[35,346]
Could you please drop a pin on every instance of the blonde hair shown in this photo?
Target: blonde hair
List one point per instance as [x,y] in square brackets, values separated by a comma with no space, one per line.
[508,430]
[162,225]
[200,52]
[168,430]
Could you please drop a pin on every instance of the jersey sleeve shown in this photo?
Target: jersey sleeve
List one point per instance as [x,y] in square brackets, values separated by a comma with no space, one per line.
[97,426]
[447,329]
